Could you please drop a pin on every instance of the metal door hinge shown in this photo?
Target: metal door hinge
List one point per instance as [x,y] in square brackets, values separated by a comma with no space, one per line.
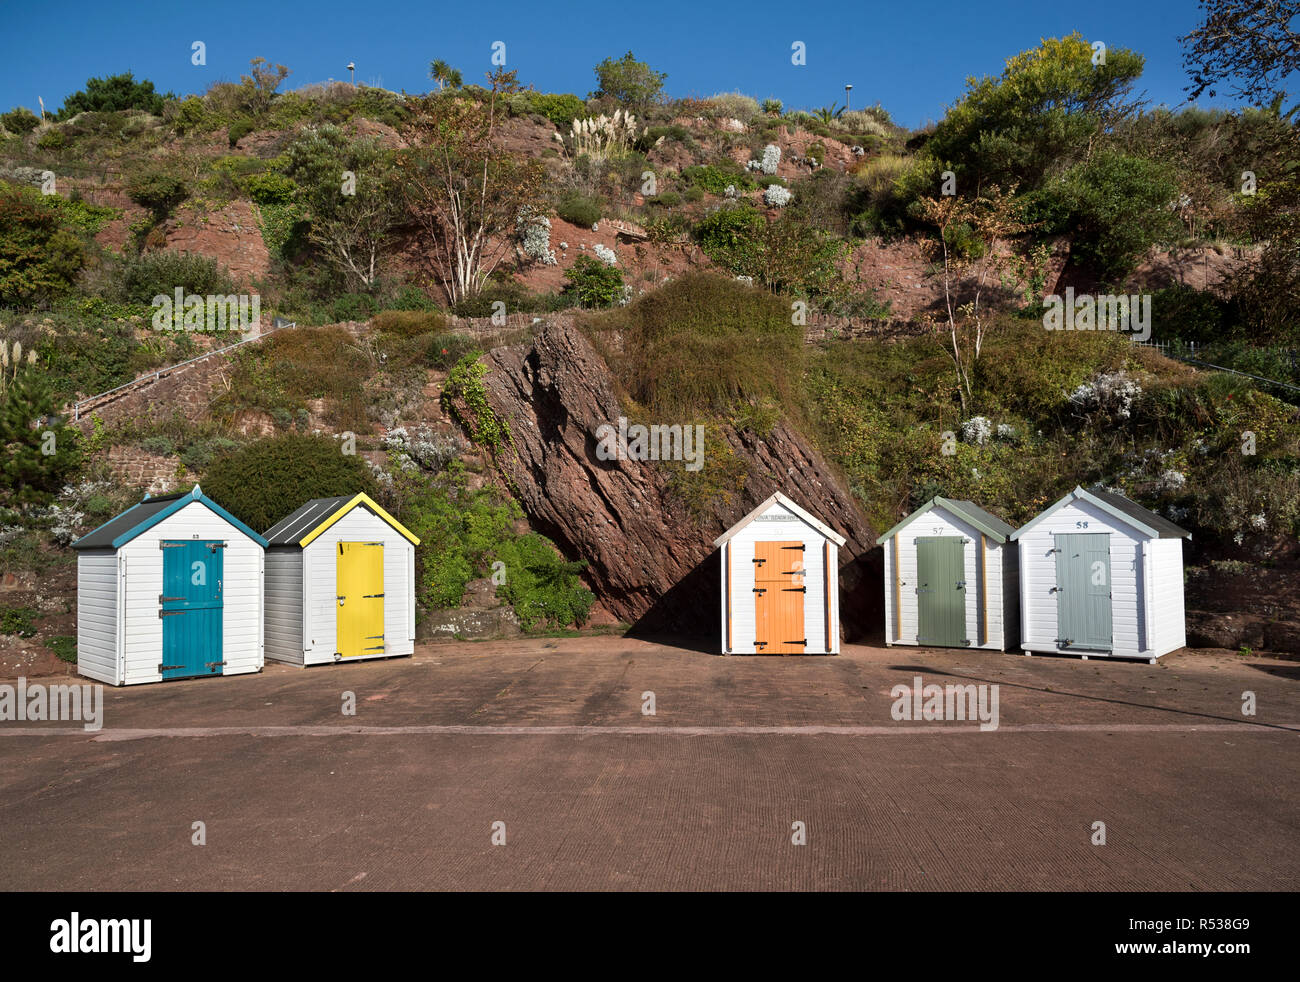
[214,664]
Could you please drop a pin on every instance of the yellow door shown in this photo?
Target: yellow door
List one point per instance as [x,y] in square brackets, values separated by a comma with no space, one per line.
[360,598]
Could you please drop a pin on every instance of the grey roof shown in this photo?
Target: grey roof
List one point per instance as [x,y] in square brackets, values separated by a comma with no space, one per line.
[104,536]
[1118,506]
[1164,528]
[985,521]
[289,530]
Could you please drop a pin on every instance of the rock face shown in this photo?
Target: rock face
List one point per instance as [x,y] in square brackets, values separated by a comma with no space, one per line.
[652,563]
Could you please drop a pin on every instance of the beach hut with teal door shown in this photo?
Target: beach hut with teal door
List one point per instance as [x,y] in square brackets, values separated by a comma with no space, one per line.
[951,578]
[169,589]
[1101,576]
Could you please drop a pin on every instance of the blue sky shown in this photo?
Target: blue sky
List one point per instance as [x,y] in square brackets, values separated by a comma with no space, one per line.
[912,57]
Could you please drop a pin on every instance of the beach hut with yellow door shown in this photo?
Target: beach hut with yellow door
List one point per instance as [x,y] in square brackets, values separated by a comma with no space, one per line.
[780,582]
[340,583]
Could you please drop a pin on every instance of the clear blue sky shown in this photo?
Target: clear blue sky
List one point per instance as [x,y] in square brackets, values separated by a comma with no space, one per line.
[912,56]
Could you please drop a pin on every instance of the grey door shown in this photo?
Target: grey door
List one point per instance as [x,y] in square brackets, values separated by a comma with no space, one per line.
[1083,590]
[941,591]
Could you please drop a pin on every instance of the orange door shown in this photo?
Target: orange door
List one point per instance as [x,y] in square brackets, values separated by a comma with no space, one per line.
[779,592]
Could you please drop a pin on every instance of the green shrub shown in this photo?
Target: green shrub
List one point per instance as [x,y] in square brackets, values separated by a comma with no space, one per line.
[411,297]
[408,323]
[160,273]
[263,481]
[353,307]
[1119,209]
[772,106]
[728,229]
[271,188]
[715,178]
[578,209]
[561,108]
[52,140]
[239,129]
[18,620]
[159,445]
[19,120]
[593,283]
[669,199]
[39,258]
[540,585]
[463,532]
[64,647]
[113,94]
[157,191]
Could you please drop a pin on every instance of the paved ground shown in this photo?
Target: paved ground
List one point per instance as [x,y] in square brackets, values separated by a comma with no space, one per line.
[549,738]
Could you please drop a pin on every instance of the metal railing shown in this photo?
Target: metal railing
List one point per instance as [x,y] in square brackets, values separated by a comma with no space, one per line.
[1185,351]
[154,376]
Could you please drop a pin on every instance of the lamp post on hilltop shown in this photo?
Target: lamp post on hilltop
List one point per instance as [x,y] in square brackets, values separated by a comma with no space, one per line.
[352,72]
[847,90]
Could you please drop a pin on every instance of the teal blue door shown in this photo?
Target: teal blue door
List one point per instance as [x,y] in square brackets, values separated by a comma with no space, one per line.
[941,591]
[1083,590]
[191,607]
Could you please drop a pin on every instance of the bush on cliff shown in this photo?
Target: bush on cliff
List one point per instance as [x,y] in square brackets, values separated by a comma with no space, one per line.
[263,481]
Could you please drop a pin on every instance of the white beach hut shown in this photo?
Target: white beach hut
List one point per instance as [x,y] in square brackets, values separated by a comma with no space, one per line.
[340,583]
[1101,576]
[951,578]
[169,589]
[780,582]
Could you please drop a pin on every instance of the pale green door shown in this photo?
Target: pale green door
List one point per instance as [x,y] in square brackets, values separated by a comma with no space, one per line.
[941,591]
[1083,590]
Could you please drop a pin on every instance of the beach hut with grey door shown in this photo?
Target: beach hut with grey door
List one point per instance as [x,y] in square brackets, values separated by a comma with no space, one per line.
[951,578]
[1101,576]
[780,582]
[340,583]
[169,589]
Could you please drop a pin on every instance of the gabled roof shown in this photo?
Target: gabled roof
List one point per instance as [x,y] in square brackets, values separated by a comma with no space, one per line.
[779,499]
[1125,510]
[969,512]
[317,515]
[117,532]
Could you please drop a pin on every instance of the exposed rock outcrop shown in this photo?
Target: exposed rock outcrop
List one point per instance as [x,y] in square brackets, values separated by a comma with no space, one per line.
[652,563]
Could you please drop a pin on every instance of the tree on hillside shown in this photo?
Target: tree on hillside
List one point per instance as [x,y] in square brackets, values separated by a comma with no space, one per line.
[1248,44]
[351,218]
[1119,208]
[259,86]
[628,81]
[112,94]
[37,452]
[973,243]
[1045,110]
[444,75]
[462,188]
